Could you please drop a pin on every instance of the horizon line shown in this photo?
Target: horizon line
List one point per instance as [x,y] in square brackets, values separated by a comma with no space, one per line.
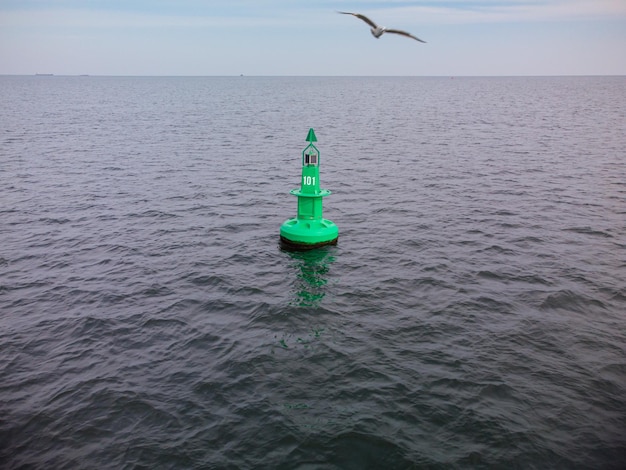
[304,76]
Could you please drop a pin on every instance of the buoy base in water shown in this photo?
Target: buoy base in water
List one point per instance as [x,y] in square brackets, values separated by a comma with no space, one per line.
[288,245]
[303,234]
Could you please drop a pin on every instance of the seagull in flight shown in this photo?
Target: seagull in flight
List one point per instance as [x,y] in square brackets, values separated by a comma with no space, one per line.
[377,31]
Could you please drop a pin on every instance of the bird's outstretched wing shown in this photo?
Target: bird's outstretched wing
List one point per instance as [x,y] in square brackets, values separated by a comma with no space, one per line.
[361,17]
[403,33]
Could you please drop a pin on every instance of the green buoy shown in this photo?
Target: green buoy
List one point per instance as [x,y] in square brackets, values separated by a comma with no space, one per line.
[309,230]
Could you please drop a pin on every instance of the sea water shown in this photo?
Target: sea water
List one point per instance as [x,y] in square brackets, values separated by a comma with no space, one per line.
[472,315]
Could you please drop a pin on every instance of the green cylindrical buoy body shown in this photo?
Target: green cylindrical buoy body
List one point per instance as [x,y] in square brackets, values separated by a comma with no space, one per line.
[309,229]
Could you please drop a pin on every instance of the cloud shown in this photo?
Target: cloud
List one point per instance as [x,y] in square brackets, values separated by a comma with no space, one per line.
[498,11]
[221,14]
[106,20]
[144,14]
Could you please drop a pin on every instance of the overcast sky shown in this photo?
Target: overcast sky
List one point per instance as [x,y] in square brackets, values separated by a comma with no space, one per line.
[308,37]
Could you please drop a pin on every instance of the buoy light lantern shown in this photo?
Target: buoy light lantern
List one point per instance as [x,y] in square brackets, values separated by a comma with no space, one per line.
[309,229]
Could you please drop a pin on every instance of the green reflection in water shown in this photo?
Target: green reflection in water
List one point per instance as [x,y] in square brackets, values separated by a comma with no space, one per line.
[312,275]
[309,286]
[309,412]
[288,341]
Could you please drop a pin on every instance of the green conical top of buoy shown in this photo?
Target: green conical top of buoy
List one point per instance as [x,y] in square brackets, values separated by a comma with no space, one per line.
[311,137]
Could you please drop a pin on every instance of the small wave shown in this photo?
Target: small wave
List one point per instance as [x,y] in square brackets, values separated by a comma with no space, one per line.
[528,240]
[167,323]
[569,300]
[589,231]
[181,306]
[210,280]
[152,213]
[498,391]
[154,290]
[489,275]
[54,220]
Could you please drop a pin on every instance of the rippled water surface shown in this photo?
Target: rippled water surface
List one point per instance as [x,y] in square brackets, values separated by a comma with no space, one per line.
[472,315]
